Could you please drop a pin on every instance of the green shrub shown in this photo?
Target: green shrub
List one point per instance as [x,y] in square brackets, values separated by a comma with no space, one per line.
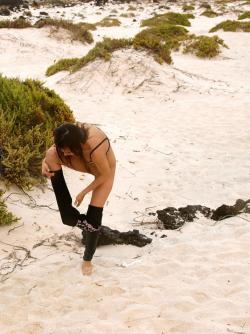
[28,114]
[190,16]
[209,13]
[205,5]
[204,46]
[243,16]
[15,24]
[232,26]
[78,30]
[161,40]
[6,217]
[101,50]
[61,65]
[186,8]
[108,22]
[167,18]
[87,26]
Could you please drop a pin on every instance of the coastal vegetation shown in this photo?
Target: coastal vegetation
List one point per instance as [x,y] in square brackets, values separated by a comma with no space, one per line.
[101,50]
[78,31]
[108,22]
[6,217]
[159,41]
[204,46]
[209,13]
[229,25]
[167,18]
[15,24]
[245,15]
[186,8]
[28,114]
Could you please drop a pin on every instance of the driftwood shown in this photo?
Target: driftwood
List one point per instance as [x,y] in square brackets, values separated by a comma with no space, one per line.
[173,218]
[109,236]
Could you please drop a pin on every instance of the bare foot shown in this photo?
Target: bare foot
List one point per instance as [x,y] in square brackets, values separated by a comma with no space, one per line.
[87,268]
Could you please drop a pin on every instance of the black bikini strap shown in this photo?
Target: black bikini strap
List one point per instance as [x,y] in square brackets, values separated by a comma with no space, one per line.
[98,146]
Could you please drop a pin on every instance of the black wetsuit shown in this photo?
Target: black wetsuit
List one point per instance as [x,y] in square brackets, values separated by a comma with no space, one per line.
[91,222]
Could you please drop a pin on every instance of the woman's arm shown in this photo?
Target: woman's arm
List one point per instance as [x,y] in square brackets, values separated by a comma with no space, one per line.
[50,163]
[101,162]
[105,172]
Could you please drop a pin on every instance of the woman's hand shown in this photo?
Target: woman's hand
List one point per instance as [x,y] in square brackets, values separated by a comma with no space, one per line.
[79,198]
[45,170]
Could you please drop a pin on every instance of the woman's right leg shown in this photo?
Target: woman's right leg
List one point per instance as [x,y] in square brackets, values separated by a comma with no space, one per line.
[91,222]
[69,214]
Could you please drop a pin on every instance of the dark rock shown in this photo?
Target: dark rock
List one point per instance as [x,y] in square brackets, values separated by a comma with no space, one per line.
[173,218]
[4,11]
[44,13]
[26,6]
[226,211]
[100,2]
[109,236]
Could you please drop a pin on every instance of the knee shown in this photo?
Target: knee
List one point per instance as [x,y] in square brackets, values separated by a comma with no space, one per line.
[94,216]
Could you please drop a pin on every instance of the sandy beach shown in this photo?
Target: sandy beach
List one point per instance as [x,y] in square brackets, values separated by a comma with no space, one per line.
[181,136]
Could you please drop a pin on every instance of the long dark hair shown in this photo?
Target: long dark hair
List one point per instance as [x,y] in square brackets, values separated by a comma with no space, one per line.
[71,136]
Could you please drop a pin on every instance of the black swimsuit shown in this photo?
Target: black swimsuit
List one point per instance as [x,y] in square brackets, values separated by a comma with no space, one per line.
[106,138]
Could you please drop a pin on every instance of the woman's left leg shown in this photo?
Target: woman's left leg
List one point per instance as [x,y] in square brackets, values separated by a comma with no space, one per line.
[94,217]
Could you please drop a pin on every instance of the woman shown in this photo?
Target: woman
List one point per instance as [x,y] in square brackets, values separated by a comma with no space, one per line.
[85,148]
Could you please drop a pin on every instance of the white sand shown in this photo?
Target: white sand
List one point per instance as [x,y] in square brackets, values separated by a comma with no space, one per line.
[181,136]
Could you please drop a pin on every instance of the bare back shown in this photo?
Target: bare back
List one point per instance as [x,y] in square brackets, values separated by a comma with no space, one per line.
[95,138]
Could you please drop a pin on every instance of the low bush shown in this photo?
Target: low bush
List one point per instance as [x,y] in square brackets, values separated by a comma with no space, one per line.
[243,16]
[78,30]
[108,22]
[186,8]
[15,24]
[204,46]
[158,40]
[161,40]
[167,18]
[28,114]
[232,26]
[101,50]
[6,217]
[205,5]
[209,13]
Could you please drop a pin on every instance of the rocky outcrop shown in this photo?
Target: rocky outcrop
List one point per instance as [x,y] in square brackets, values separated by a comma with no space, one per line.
[109,236]
[225,211]
[173,218]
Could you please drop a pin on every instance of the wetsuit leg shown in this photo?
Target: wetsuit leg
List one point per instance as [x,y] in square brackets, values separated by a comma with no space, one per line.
[91,222]
[69,214]
[93,217]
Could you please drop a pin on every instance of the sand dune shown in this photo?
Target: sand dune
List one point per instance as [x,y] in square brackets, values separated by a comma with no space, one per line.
[181,136]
